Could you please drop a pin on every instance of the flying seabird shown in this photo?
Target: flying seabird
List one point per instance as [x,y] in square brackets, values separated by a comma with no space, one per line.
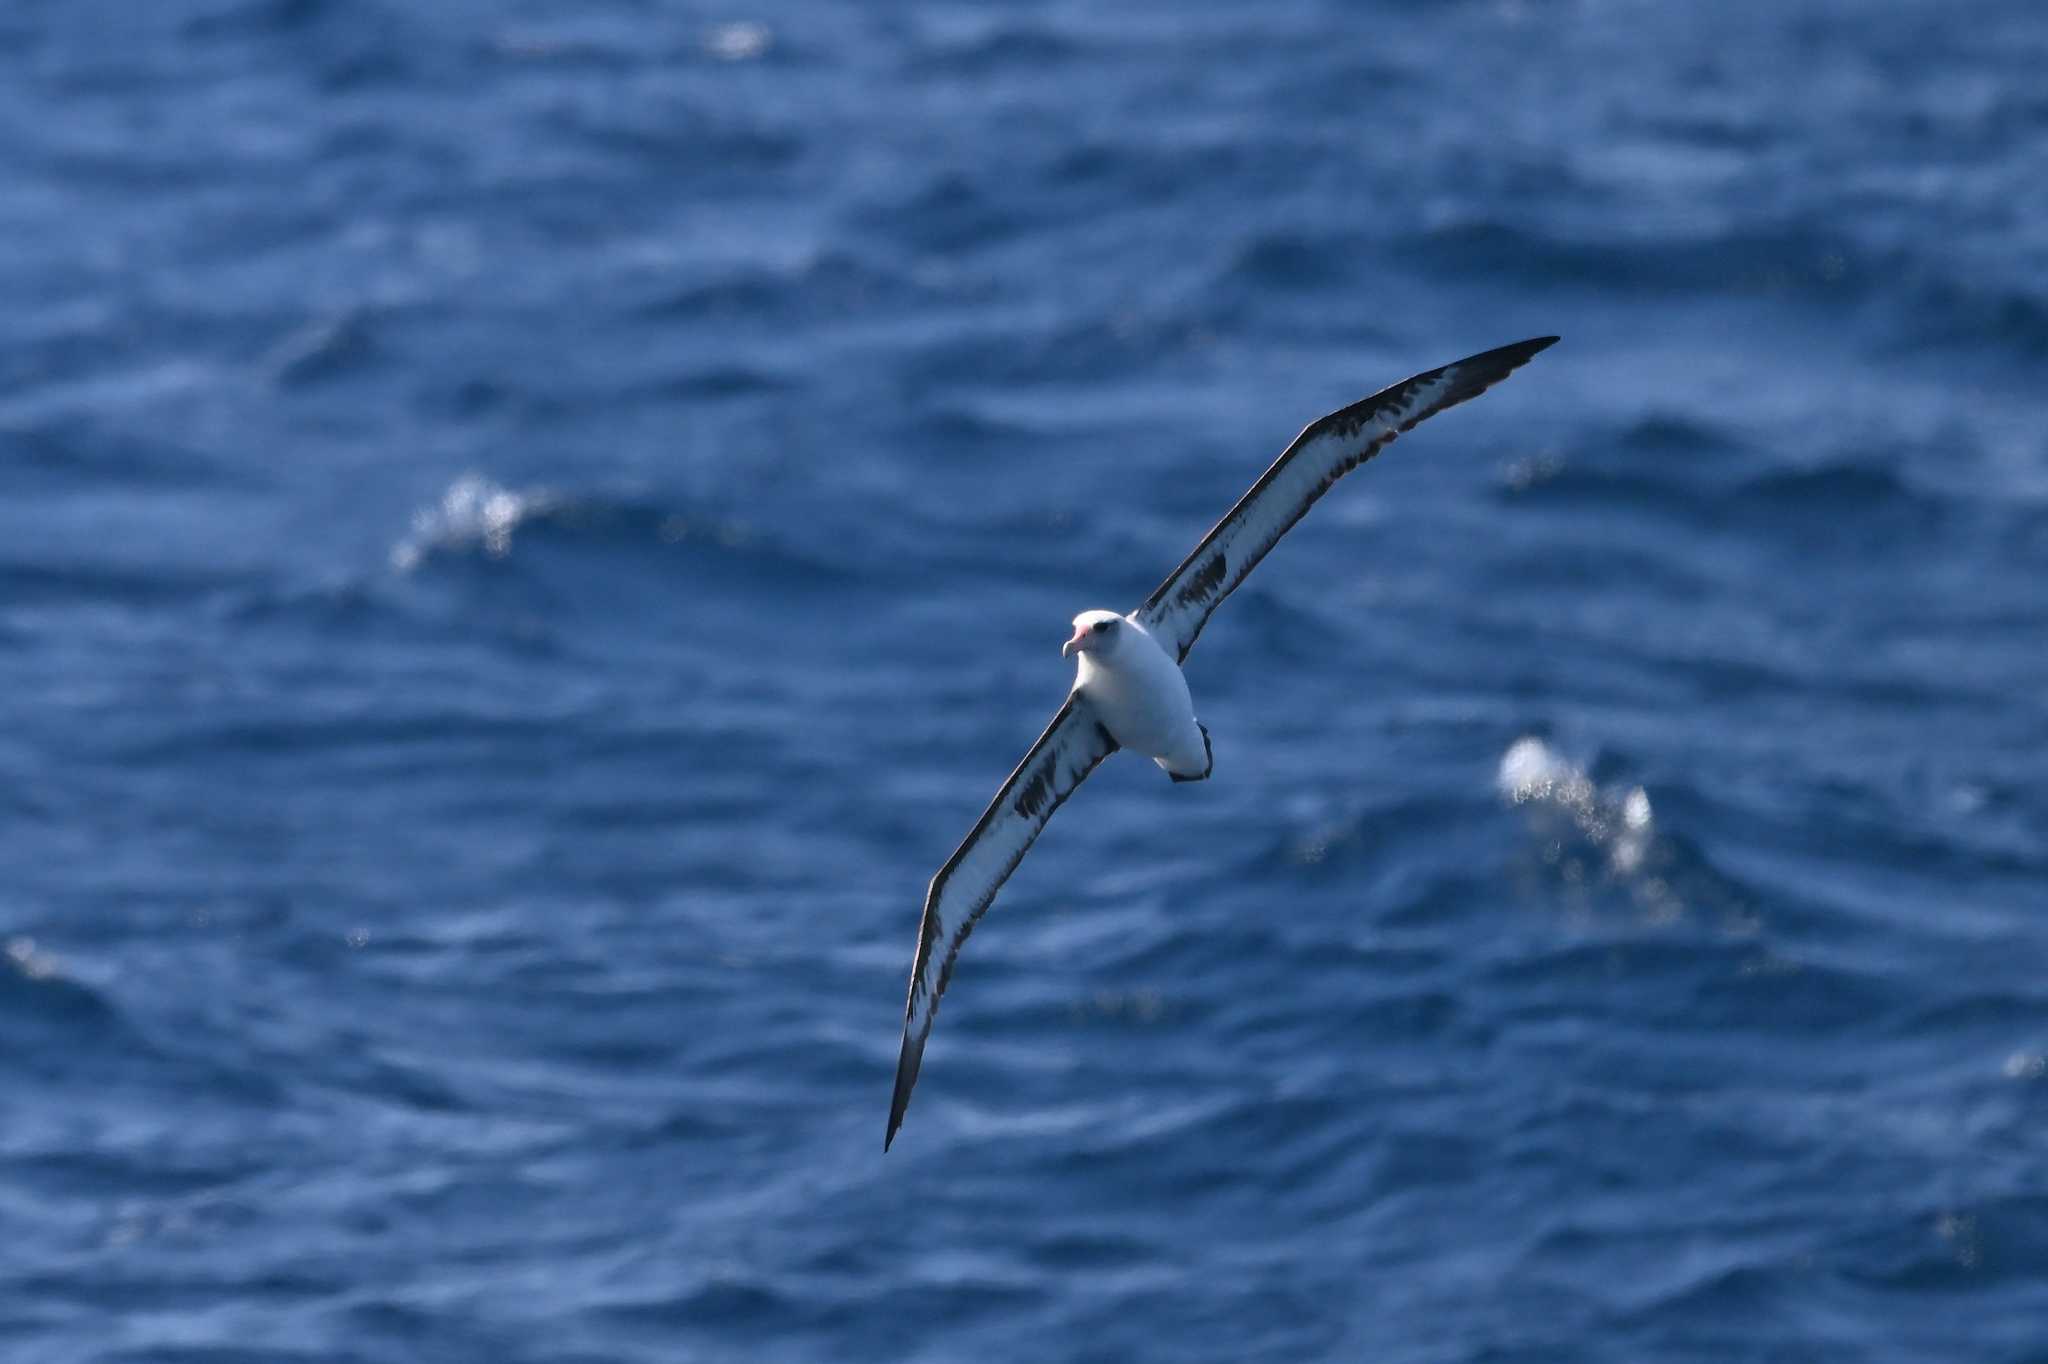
[1129,691]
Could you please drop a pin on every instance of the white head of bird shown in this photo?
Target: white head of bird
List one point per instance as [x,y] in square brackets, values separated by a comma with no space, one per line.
[1095,632]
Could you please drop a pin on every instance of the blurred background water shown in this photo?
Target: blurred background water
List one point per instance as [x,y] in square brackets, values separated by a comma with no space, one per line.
[529,530]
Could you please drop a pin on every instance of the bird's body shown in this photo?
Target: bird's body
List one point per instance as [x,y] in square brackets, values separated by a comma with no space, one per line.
[1128,688]
[1139,693]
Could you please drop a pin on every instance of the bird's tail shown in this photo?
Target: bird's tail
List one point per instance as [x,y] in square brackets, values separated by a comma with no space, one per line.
[1208,757]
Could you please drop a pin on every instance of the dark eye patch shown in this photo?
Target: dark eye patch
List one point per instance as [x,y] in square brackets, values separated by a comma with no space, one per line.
[1100,626]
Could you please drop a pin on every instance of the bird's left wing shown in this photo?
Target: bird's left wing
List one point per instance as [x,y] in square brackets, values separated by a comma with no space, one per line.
[1324,452]
[1061,760]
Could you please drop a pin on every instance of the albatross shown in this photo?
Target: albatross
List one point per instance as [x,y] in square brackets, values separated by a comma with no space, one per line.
[1129,691]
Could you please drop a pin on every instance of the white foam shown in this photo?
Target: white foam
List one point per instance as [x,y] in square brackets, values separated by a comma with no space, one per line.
[474,511]
[1618,821]
[739,42]
[29,961]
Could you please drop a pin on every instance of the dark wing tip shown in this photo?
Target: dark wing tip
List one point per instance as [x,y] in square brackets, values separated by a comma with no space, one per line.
[1500,360]
[906,1079]
[1469,378]
[1474,374]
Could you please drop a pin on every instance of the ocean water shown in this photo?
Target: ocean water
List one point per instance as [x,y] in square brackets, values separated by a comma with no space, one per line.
[529,530]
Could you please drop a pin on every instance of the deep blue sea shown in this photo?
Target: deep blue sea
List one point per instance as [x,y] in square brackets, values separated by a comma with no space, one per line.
[529,530]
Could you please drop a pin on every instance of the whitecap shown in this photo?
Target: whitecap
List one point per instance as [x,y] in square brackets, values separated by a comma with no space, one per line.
[474,512]
[739,42]
[1619,821]
[31,962]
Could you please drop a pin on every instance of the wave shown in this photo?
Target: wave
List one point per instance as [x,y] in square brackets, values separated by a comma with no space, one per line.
[1711,478]
[739,41]
[829,283]
[1031,50]
[1935,312]
[33,986]
[1673,433]
[1918,295]
[322,350]
[1761,260]
[951,213]
[1951,1248]
[1073,348]
[703,143]
[474,513]
[131,584]
[1596,845]
[1296,261]
[1619,822]
[478,519]
[1839,486]
[66,445]
[263,16]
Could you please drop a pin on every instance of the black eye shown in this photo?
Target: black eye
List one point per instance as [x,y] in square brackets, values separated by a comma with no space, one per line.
[1100,626]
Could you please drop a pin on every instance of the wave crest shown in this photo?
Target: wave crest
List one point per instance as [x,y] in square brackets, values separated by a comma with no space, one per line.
[1618,821]
[474,512]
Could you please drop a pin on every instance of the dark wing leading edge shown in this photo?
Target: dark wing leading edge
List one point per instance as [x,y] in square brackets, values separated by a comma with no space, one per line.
[1062,758]
[1324,452]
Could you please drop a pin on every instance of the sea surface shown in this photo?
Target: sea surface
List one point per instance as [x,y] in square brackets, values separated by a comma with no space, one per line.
[528,531]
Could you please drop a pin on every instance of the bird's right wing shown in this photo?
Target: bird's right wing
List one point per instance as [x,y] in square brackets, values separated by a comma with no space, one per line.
[1061,760]
[1324,452]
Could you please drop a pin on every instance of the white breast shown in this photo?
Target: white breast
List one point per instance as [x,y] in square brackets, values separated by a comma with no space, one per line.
[1143,699]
